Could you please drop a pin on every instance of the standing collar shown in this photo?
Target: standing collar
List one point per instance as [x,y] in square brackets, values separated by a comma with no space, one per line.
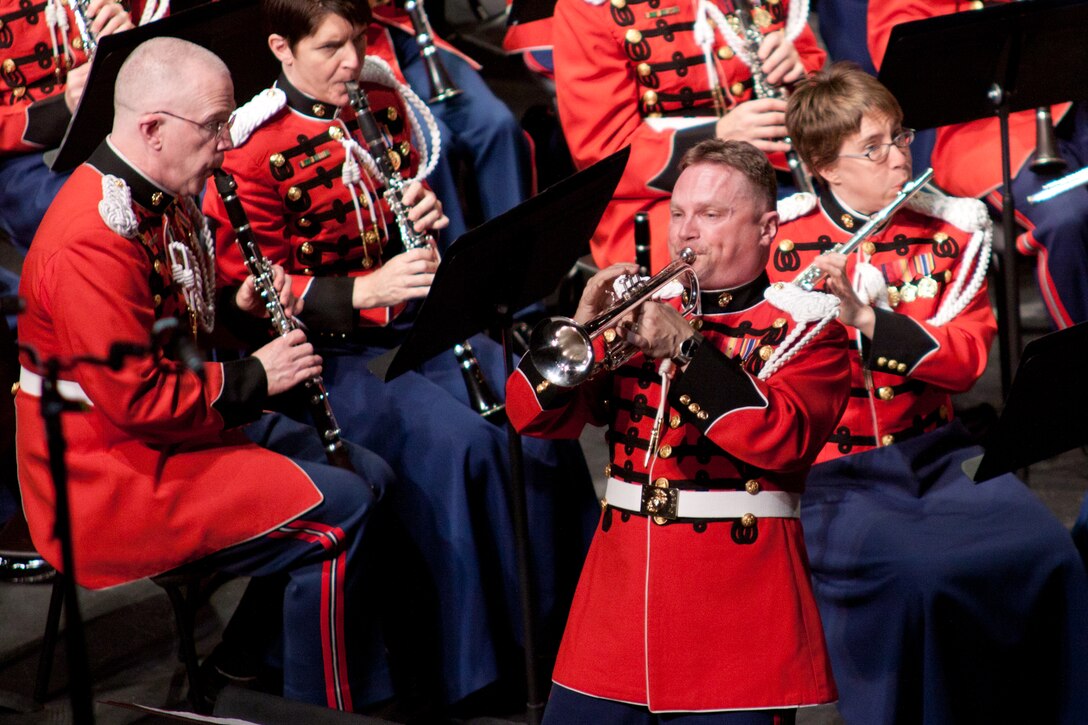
[145,192]
[842,215]
[301,103]
[718,302]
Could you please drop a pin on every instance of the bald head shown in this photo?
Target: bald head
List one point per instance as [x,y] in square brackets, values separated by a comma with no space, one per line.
[160,71]
[172,101]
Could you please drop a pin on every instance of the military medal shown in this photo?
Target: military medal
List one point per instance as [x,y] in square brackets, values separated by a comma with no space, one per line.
[908,292]
[893,296]
[761,17]
[927,287]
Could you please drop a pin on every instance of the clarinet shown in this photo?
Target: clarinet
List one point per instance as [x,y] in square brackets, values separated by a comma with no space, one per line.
[442,86]
[83,25]
[762,89]
[261,269]
[481,397]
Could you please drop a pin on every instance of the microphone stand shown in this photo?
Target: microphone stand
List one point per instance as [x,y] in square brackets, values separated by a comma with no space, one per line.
[53,405]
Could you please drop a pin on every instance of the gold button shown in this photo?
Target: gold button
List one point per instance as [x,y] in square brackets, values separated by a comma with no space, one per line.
[304,222]
[887,440]
[405,148]
[943,412]
[662,482]
[277,160]
[881,362]
[156,198]
[724,299]
[157,299]
[371,237]
[947,275]
[765,352]
[294,193]
[976,5]
[391,114]
[542,386]
[319,110]
[19,91]
[15,387]
[609,335]
[901,367]
[737,88]
[885,393]
[785,245]
[779,323]
[694,408]
[1,24]
[685,399]
[619,4]
[940,237]
[608,470]
[725,52]
[892,364]
[336,133]
[77,43]
[650,98]
[752,487]
[394,159]
[847,221]
[665,450]
[893,296]
[660,520]
[307,248]
[644,69]
[633,36]
[158,266]
[9,65]
[702,415]
[748,520]
[674,421]
[697,324]
[869,248]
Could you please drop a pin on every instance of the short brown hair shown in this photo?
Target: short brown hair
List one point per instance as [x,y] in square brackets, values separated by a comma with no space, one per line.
[828,107]
[296,19]
[745,158]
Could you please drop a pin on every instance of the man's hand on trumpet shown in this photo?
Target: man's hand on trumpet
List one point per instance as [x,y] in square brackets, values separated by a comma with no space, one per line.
[598,297]
[657,329]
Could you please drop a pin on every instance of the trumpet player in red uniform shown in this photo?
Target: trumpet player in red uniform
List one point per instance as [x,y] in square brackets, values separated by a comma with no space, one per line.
[662,79]
[316,206]
[695,599]
[942,601]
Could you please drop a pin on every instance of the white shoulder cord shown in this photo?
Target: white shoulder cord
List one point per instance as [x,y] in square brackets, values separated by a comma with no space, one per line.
[804,307]
[154,10]
[116,207]
[192,265]
[969,215]
[254,113]
[376,70]
[57,20]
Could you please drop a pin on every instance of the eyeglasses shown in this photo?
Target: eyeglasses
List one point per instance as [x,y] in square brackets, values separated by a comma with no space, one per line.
[877,152]
[215,128]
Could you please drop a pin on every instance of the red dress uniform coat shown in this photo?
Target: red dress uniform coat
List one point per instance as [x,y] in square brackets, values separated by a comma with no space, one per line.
[696,614]
[289,179]
[35,55]
[914,365]
[626,72]
[156,476]
[966,156]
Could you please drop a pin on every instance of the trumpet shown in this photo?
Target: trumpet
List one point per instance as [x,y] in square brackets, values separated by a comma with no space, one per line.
[562,350]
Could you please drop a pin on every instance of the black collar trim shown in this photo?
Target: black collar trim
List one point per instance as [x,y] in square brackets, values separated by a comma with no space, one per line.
[739,298]
[301,103]
[846,219]
[144,191]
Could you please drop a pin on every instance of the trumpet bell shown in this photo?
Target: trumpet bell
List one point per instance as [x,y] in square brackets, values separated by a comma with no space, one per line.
[561,351]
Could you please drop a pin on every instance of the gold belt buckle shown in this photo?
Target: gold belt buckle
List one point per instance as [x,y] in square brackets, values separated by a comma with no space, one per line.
[660,502]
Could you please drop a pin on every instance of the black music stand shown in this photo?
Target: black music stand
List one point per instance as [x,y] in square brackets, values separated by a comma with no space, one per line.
[1044,412]
[229,28]
[488,274]
[996,61]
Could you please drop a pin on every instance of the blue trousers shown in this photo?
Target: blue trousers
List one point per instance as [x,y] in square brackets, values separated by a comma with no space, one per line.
[567,707]
[944,601]
[330,650]
[451,497]
[477,128]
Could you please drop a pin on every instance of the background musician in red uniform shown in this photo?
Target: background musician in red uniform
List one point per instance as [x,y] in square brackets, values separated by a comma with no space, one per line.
[160,474]
[703,608]
[316,207]
[631,72]
[967,162]
[943,601]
